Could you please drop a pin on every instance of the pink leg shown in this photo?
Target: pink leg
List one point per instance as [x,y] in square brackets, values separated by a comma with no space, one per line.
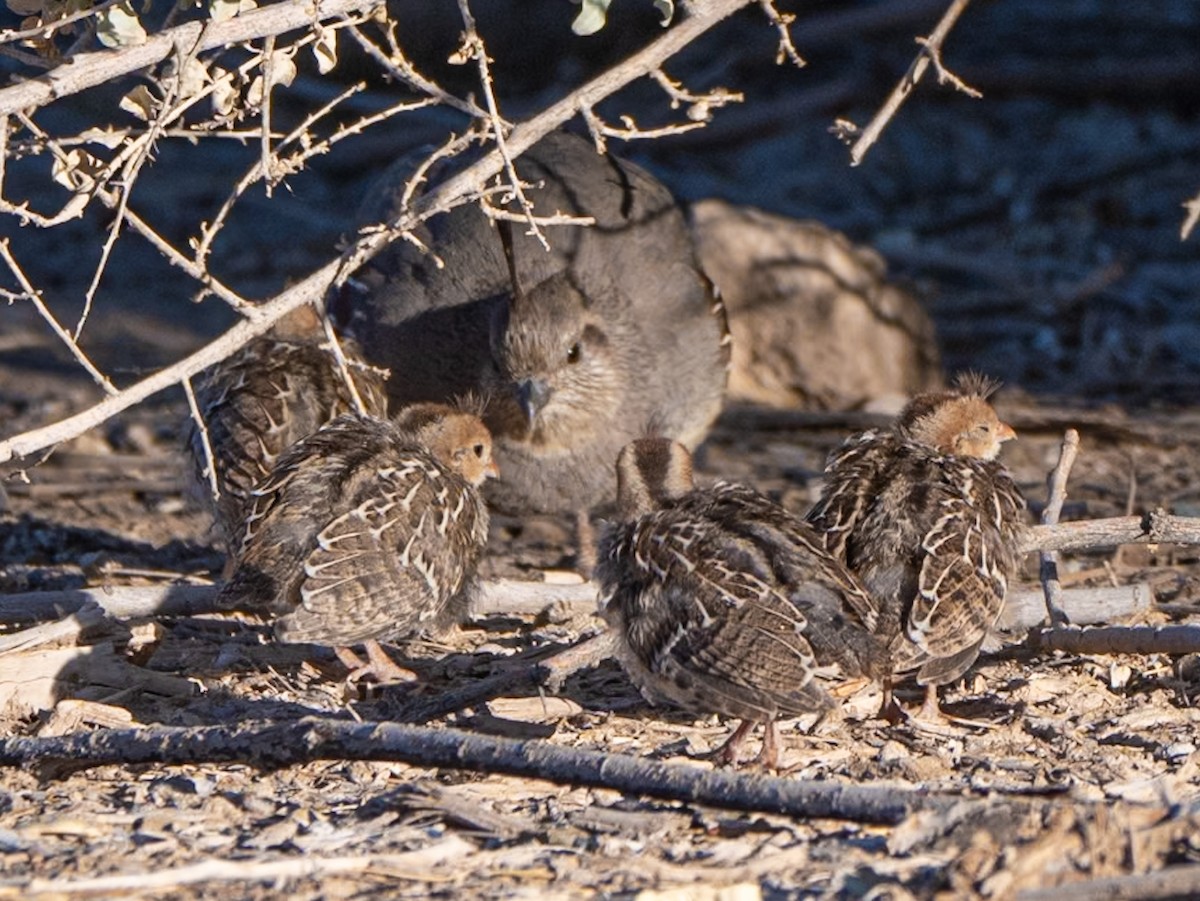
[727,753]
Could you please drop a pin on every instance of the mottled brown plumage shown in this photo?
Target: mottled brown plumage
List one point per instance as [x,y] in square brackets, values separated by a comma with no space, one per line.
[368,529]
[722,601]
[267,396]
[612,334]
[930,521]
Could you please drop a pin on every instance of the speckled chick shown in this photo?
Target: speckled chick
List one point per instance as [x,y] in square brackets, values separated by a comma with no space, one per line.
[931,523]
[368,529]
[723,602]
[612,334]
[275,391]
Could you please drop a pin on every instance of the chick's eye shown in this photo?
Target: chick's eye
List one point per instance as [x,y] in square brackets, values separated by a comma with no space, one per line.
[478,448]
[574,353]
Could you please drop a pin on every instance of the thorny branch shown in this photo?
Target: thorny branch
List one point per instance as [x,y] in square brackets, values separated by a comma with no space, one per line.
[931,50]
[91,69]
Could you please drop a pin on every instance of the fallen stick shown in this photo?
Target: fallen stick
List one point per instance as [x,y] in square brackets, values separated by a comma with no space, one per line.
[1156,527]
[1181,639]
[137,601]
[412,865]
[550,671]
[1167,883]
[1025,608]
[1056,495]
[269,744]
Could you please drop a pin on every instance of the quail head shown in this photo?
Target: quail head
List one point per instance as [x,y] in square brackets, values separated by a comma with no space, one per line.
[931,523]
[275,391]
[368,530]
[723,602]
[612,334]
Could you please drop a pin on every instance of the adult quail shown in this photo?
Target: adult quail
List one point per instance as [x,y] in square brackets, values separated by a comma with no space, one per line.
[267,396]
[931,523]
[723,602]
[611,335]
[368,530]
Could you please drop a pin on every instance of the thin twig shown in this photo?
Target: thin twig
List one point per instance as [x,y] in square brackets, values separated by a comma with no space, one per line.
[930,53]
[335,348]
[35,298]
[210,462]
[264,142]
[45,29]
[1056,495]
[1193,216]
[782,22]
[473,47]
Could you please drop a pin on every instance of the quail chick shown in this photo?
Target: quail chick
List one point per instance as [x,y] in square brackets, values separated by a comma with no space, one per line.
[723,602]
[275,391]
[931,523]
[368,530]
[612,334]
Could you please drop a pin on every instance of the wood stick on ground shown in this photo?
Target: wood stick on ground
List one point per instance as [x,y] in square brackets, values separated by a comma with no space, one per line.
[1024,607]
[1056,494]
[550,671]
[1156,527]
[1168,883]
[413,865]
[271,744]
[1180,639]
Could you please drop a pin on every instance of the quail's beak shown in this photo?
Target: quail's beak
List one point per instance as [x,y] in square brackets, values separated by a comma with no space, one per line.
[532,395]
[1005,432]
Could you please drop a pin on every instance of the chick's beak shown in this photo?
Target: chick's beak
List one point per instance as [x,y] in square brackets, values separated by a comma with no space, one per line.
[492,470]
[1006,432]
[532,395]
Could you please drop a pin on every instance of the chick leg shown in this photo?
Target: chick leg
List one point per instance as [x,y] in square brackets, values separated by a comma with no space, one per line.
[727,753]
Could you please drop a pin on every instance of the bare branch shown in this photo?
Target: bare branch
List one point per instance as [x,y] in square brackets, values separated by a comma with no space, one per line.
[1193,216]
[782,23]
[35,298]
[86,70]
[1184,639]
[930,53]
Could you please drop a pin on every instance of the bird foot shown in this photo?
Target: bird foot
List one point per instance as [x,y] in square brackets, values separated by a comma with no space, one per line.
[378,665]
[727,755]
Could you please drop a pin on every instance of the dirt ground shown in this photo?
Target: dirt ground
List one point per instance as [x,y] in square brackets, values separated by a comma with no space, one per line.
[1040,224]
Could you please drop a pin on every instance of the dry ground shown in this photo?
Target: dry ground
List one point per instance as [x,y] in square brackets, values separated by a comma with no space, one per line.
[1041,225]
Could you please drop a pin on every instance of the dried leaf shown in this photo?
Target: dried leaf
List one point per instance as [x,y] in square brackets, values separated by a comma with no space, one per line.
[192,81]
[666,9]
[105,137]
[76,170]
[118,26]
[140,103]
[224,95]
[325,49]
[220,10]
[283,72]
[592,16]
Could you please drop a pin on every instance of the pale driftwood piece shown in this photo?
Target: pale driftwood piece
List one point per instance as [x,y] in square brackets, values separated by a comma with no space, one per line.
[36,680]
[1182,639]
[121,602]
[1025,608]
[551,671]
[270,744]
[1170,882]
[1056,495]
[512,596]
[412,865]
[1156,527]
[86,617]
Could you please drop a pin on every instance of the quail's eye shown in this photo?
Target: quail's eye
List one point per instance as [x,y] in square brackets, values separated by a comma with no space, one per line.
[478,448]
[574,353]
